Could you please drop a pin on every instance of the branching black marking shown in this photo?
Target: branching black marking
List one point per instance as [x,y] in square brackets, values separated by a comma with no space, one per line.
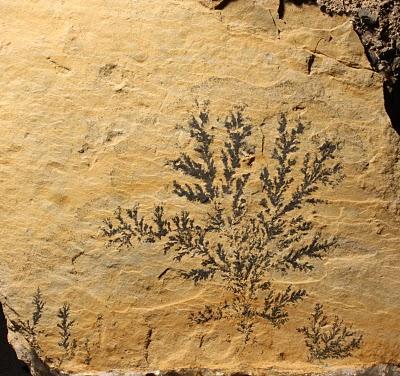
[147,343]
[127,225]
[88,351]
[203,169]
[29,328]
[238,244]
[66,342]
[326,339]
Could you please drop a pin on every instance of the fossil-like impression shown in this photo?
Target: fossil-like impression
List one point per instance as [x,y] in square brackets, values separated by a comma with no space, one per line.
[255,227]
[329,339]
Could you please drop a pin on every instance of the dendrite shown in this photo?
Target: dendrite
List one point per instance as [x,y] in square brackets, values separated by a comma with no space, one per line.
[66,342]
[326,339]
[241,244]
[29,328]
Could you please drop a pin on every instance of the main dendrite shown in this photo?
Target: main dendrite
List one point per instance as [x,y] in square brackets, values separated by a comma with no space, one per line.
[254,228]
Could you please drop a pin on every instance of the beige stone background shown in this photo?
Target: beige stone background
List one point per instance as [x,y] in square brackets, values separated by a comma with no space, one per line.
[94,95]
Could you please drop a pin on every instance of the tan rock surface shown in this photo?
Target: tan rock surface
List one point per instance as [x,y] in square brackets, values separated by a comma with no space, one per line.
[92,93]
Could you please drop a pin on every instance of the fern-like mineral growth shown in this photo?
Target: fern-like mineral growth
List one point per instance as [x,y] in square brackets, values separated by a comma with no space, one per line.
[329,339]
[65,324]
[88,351]
[29,328]
[239,244]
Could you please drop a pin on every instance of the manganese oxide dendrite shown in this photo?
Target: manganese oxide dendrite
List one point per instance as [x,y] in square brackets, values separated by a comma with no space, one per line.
[251,231]
[329,339]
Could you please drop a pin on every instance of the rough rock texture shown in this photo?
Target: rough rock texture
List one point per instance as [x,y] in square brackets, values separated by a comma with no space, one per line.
[378,370]
[95,99]
[31,360]
[378,25]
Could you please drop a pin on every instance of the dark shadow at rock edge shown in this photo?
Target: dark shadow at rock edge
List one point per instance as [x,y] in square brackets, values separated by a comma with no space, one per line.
[391,93]
[381,45]
[10,365]
[222,4]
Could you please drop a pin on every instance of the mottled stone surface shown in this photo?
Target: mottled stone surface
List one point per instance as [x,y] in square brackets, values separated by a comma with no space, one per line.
[378,24]
[95,99]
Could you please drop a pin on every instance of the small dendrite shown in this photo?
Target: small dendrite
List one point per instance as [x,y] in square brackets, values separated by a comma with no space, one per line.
[28,328]
[65,324]
[127,224]
[326,339]
[147,343]
[88,351]
[38,304]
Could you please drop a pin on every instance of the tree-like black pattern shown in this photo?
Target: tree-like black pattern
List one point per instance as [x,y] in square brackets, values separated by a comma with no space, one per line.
[240,243]
[329,339]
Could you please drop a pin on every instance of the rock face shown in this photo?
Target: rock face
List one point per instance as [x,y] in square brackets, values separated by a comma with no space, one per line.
[96,109]
[10,365]
[378,25]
